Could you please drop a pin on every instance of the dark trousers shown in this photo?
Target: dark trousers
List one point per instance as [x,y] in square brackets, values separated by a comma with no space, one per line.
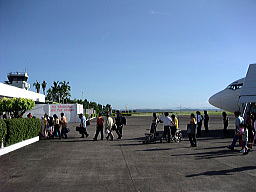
[167,133]
[235,138]
[64,132]
[199,127]
[99,129]
[192,139]
[153,128]
[119,131]
[225,130]
[206,126]
[173,131]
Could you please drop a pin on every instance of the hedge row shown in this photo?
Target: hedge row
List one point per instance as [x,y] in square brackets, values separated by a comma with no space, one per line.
[19,130]
[3,130]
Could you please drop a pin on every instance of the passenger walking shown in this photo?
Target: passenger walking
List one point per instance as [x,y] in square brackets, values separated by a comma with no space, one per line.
[244,133]
[225,123]
[99,127]
[120,121]
[191,130]
[239,120]
[206,121]
[50,127]
[63,123]
[249,126]
[82,126]
[57,128]
[154,123]
[174,125]
[46,125]
[167,123]
[199,120]
[108,127]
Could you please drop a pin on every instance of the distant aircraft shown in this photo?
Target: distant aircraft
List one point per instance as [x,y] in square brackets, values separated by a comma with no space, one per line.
[237,95]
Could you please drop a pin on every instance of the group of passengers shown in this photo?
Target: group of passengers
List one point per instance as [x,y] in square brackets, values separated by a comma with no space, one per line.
[171,126]
[110,126]
[53,126]
[245,132]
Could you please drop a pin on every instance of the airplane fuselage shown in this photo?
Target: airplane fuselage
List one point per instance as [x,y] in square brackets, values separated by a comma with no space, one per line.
[228,99]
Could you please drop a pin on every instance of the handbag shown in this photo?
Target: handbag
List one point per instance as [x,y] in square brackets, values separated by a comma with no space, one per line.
[88,122]
[78,129]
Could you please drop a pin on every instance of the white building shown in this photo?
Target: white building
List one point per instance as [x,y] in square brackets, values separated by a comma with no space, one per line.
[11,91]
[71,111]
[17,86]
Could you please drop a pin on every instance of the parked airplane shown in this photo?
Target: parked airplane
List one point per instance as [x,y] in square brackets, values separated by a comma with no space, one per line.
[239,93]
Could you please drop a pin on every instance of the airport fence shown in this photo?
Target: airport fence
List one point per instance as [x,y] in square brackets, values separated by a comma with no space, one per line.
[21,129]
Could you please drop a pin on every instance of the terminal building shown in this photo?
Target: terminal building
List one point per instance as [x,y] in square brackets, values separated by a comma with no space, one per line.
[17,86]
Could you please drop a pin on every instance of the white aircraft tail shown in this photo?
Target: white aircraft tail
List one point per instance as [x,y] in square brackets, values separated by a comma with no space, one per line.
[248,91]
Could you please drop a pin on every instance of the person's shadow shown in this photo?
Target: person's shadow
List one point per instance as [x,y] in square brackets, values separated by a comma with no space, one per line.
[223,172]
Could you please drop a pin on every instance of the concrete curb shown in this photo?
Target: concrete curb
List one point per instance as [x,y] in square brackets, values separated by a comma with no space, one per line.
[19,145]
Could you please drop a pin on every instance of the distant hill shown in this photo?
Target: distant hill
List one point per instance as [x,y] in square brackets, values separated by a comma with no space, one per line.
[169,110]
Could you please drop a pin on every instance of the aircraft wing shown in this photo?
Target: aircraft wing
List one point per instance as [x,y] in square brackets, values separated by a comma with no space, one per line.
[248,91]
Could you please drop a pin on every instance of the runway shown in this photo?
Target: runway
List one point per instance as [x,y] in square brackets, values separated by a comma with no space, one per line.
[80,164]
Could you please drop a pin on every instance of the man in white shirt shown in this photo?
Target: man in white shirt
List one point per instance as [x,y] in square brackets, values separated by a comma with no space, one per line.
[83,130]
[108,127]
[238,121]
[167,123]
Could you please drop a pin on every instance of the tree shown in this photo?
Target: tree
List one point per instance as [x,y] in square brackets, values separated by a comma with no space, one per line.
[16,107]
[64,91]
[108,108]
[37,86]
[59,92]
[44,86]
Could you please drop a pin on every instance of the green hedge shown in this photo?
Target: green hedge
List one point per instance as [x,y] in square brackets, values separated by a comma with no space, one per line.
[21,129]
[3,130]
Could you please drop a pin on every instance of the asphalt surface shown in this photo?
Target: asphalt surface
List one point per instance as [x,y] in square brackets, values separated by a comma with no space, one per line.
[80,164]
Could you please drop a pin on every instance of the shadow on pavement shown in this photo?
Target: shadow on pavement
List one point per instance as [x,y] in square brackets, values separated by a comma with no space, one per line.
[223,172]
[71,141]
[156,149]
[211,155]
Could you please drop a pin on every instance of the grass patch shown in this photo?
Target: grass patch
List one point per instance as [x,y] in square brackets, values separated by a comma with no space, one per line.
[178,113]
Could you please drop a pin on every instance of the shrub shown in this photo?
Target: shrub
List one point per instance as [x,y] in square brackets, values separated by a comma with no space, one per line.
[16,107]
[21,129]
[3,130]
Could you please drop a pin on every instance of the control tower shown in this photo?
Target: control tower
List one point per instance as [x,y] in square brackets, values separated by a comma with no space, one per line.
[18,79]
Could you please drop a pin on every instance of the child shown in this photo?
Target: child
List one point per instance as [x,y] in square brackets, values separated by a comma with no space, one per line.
[244,132]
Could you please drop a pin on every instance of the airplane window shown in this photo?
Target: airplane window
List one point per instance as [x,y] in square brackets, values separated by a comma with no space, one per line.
[235,86]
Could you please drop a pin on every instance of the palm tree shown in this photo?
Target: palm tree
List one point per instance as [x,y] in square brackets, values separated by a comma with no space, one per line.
[44,86]
[64,91]
[49,95]
[37,86]
[56,91]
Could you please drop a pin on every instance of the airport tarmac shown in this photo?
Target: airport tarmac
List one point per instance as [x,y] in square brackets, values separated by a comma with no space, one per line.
[80,164]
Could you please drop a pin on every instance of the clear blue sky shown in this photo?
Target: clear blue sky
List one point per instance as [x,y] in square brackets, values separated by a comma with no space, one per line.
[139,54]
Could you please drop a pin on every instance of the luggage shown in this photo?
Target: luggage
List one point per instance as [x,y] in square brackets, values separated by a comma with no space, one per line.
[79,129]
